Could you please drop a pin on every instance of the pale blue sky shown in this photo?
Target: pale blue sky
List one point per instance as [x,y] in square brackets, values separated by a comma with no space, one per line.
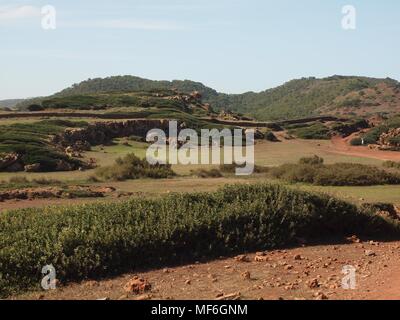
[230,45]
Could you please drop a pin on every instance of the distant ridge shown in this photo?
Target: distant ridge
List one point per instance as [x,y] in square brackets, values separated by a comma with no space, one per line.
[336,95]
[9,103]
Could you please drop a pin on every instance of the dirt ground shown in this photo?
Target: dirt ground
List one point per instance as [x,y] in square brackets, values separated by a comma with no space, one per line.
[304,273]
[342,146]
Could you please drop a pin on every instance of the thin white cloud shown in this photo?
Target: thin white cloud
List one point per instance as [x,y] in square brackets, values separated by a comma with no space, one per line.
[11,13]
[132,24]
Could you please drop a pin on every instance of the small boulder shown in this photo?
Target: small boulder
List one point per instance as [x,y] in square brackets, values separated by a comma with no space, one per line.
[137,285]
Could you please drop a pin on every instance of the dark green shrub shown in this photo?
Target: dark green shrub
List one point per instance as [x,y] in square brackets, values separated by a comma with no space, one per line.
[316,131]
[351,103]
[394,141]
[97,240]
[132,167]
[35,107]
[18,180]
[315,160]
[339,174]
[46,181]
[391,164]
[270,136]
[356,142]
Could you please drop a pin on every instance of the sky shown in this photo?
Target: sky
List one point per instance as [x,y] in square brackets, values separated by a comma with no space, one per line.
[233,46]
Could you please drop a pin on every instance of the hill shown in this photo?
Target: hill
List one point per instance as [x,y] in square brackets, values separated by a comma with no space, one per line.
[132,84]
[336,95]
[9,103]
[40,146]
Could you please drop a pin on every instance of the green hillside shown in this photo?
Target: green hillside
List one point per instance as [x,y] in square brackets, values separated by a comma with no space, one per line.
[336,95]
[312,96]
[131,83]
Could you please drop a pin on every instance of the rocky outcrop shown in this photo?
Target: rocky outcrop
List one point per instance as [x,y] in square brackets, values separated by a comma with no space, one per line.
[386,210]
[8,160]
[391,139]
[103,132]
[32,167]
[137,285]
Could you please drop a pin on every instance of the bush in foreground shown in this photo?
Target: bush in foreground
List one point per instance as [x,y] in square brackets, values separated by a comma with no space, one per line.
[95,240]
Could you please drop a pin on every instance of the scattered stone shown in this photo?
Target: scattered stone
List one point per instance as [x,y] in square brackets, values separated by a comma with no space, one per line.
[32,167]
[370,253]
[261,257]
[242,258]
[232,296]
[144,297]
[321,296]
[246,275]
[354,239]
[137,285]
[313,284]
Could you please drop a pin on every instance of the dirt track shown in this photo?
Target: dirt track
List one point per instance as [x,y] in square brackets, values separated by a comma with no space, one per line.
[313,272]
[342,146]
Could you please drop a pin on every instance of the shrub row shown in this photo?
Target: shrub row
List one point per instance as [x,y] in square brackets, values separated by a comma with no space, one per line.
[95,240]
[313,171]
[391,164]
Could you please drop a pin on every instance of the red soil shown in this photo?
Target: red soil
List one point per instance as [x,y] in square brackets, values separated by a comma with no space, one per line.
[342,146]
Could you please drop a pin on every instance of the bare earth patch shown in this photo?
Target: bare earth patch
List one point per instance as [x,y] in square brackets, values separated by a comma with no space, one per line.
[313,272]
[342,146]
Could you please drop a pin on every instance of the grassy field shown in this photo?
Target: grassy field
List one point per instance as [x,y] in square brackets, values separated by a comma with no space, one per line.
[266,154]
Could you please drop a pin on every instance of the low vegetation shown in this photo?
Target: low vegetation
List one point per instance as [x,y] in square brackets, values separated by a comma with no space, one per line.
[24,182]
[372,136]
[295,99]
[316,131]
[95,240]
[132,167]
[203,173]
[31,141]
[392,164]
[231,168]
[313,171]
